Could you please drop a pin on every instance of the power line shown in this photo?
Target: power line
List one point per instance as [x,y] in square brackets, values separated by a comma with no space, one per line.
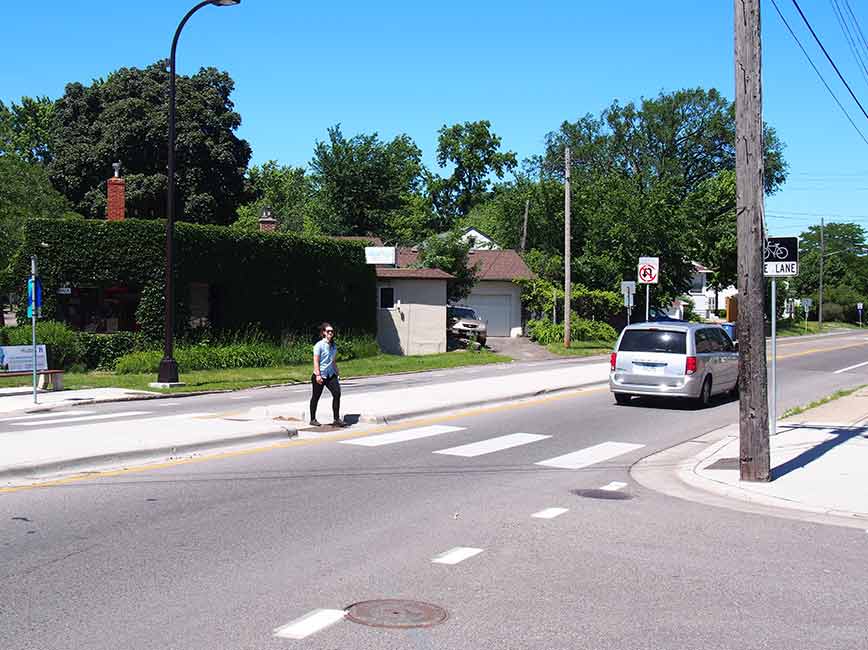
[822,47]
[808,56]
[850,37]
[857,27]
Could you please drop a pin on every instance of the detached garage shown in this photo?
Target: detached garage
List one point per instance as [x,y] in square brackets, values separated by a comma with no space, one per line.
[496,297]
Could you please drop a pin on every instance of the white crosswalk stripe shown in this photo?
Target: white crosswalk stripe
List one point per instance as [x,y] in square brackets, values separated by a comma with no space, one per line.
[310,623]
[401,436]
[46,415]
[492,445]
[590,455]
[87,418]
[550,513]
[456,555]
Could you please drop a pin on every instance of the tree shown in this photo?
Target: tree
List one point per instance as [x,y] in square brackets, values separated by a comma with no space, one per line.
[474,151]
[286,190]
[362,183]
[123,118]
[656,179]
[27,129]
[25,193]
[846,267]
[448,252]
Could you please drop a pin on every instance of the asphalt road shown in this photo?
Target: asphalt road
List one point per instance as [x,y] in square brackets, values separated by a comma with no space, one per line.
[220,553]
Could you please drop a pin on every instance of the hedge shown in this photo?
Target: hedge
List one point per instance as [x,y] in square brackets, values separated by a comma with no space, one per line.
[281,282]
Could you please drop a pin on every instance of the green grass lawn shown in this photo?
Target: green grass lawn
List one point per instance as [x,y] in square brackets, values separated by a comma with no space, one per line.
[581,348]
[235,378]
[790,327]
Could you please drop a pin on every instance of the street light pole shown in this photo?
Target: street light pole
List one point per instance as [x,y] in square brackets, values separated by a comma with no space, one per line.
[168,370]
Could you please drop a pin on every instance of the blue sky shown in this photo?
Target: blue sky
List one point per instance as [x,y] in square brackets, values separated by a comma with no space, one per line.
[398,67]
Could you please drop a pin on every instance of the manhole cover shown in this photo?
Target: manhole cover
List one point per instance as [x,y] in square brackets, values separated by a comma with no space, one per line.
[396,613]
[612,495]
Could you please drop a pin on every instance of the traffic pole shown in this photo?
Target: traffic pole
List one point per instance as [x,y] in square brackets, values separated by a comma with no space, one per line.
[33,319]
[647,302]
[773,380]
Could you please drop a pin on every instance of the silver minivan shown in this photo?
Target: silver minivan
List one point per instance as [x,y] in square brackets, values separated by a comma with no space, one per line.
[673,359]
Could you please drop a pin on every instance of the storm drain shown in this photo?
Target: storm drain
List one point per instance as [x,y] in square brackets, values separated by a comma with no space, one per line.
[396,613]
[611,495]
[725,463]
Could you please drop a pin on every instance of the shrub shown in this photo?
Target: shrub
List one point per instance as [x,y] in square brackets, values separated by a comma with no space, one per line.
[581,329]
[62,343]
[205,356]
[101,351]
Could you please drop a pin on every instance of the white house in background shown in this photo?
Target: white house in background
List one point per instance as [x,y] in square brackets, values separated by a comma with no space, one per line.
[481,241]
[706,300]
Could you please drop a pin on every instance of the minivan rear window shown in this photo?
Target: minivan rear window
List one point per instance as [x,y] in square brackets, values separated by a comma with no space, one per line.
[666,341]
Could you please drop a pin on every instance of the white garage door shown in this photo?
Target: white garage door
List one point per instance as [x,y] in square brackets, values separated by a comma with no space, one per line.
[495,309]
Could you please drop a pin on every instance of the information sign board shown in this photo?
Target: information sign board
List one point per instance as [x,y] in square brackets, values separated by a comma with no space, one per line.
[781,257]
[19,358]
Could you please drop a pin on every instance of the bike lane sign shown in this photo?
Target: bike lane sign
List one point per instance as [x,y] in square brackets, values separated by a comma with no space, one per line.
[781,257]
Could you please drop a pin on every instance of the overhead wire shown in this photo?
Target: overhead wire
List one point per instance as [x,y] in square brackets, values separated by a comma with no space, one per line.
[822,47]
[808,56]
[857,26]
[843,23]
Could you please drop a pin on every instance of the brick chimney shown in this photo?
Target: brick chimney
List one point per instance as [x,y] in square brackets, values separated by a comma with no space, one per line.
[116,195]
[267,223]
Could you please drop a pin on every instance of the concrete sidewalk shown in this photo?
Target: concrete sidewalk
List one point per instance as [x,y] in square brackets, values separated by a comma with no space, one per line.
[21,398]
[401,403]
[51,439]
[819,462]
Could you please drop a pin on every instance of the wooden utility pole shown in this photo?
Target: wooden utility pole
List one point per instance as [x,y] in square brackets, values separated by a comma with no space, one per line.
[754,458]
[822,256]
[567,279]
[524,228]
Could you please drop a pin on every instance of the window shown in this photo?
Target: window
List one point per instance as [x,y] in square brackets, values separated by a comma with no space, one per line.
[697,283]
[707,341]
[653,341]
[387,297]
[725,342]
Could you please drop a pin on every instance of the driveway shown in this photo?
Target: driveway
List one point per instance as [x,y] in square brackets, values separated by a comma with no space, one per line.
[520,348]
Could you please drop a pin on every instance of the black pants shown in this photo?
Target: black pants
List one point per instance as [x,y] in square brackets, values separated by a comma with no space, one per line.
[334,386]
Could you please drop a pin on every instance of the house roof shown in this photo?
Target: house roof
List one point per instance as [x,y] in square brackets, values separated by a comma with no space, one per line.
[414,274]
[492,265]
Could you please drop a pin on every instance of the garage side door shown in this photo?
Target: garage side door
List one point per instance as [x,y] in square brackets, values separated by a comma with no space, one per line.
[495,309]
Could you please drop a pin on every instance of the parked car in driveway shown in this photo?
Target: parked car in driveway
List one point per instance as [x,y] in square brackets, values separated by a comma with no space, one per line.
[465,323]
[673,359]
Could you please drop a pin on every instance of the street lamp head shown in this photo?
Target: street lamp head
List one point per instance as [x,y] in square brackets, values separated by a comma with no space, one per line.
[225,3]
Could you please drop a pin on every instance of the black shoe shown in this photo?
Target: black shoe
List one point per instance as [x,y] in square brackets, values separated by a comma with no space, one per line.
[339,423]
[314,423]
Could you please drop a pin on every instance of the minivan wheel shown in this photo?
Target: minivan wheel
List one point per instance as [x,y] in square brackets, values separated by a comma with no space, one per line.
[622,398]
[705,394]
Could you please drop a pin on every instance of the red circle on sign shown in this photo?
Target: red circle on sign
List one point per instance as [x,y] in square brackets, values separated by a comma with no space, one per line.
[647,273]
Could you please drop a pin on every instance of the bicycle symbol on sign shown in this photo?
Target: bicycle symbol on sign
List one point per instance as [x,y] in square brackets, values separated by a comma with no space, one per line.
[774,250]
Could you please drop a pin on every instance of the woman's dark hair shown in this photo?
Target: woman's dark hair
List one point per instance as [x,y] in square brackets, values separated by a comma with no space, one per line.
[324,327]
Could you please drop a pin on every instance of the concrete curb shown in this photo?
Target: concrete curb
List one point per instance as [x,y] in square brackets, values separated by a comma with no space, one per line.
[673,471]
[388,418]
[115,460]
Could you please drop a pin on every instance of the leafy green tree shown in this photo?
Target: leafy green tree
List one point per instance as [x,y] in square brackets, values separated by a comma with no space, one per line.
[25,193]
[286,190]
[656,179]
[27,129]
[123,117]
[363,183]
[845,264]
[448,252]
[473,151]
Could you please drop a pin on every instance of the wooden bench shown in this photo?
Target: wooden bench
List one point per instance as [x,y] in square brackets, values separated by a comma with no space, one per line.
[53,378]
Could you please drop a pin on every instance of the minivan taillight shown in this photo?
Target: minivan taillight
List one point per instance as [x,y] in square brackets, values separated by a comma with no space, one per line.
[691,366]
[613,358]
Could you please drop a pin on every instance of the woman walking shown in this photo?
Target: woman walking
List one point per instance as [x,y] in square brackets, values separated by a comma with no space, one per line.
[325,375]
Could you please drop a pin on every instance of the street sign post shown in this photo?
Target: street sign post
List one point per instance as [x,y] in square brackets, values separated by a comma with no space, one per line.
[628,288]
[806,305]
[859,309]
[780,259]
[34,305]
[648,274]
